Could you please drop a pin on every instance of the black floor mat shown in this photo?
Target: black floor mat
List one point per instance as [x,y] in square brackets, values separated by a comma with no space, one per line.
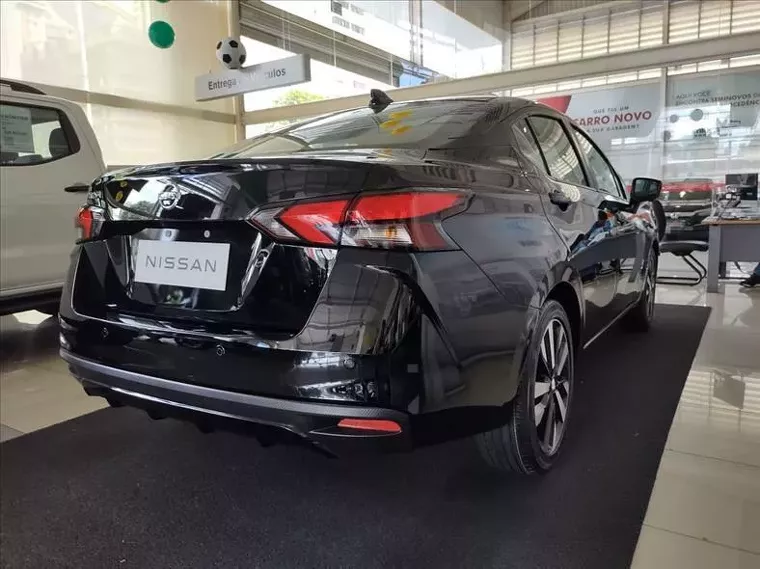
[115,489]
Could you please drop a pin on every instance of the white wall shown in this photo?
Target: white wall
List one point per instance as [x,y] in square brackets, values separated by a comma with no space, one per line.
[103,47]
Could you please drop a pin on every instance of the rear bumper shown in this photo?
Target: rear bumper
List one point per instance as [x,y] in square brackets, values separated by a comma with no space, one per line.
[314,423]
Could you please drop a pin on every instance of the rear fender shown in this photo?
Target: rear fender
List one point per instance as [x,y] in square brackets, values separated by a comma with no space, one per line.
[562,272]
[559,273]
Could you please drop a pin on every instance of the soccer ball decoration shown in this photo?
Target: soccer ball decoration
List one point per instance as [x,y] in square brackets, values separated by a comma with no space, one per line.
[231,53]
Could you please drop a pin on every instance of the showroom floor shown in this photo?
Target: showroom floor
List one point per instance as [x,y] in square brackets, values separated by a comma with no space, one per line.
[704,510]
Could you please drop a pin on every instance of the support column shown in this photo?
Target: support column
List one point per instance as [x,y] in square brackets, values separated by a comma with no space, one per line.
[713,258]
[415,31]
[506,38]
[238,102]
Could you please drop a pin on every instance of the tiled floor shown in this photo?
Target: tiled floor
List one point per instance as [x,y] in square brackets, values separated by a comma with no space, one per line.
[704,511]
[36,390]
[705,507]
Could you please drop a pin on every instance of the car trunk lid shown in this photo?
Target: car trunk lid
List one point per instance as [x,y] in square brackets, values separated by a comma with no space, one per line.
[175,242]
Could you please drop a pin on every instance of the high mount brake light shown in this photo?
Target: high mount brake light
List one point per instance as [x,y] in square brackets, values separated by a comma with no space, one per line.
[408,220]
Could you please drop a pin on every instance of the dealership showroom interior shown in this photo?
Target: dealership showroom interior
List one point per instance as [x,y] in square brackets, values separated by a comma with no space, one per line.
[380,284]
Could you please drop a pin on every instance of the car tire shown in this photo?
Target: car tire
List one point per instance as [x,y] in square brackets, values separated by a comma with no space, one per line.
[524,444]
[639,318]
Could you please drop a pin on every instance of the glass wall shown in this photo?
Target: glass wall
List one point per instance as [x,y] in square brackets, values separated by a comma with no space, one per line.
[454,47]
[682,128]
[627,26]
[400,43]
[680,123]
[565,38]
[103,47]
[377,43]
[711,125]
[691,20]
[423,32]
[383,24]
[327,81]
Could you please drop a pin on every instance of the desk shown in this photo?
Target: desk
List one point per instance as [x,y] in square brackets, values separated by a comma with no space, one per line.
[731,240]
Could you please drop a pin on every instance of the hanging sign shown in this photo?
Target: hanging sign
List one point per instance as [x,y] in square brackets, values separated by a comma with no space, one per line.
[279,73]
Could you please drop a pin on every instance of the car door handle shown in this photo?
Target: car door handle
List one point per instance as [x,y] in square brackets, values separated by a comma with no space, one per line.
[560,199]
[80,187]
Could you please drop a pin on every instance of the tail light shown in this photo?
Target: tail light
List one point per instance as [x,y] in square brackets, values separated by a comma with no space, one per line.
[317,222]
[409,220]
[88,221]
[83,222]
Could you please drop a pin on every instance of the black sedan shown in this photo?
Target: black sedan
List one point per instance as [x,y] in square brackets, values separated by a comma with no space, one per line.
[379,278]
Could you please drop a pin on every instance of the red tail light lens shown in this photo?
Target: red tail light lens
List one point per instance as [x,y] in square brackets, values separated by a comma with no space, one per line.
[84,222]
[406,219]
[89,220]
[408,205]
[315,222]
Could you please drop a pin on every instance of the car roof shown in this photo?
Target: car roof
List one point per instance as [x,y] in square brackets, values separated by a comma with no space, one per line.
[515,102]
[19,87]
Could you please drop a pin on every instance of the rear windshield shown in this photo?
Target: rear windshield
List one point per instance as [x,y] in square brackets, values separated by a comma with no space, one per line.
[419,125]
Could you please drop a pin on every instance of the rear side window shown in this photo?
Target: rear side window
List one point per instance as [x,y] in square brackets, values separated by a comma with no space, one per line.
[601,169]
[561,158]
[31,135]
[527,144]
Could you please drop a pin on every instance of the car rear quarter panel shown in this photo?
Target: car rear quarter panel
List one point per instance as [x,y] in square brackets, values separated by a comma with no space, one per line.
[507,235]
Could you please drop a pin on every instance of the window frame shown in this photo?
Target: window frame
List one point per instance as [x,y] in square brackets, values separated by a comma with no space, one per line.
[620,191]
[581,161]
[68,130]
[515,127]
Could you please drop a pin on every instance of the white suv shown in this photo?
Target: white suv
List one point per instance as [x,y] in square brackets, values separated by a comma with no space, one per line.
[48,157]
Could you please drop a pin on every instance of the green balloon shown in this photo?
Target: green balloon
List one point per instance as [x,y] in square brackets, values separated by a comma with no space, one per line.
[161,34]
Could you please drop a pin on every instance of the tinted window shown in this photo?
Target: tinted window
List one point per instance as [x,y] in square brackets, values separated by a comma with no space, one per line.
[31,135]
[416,125]
[527,144]
[605,178]
[561,159]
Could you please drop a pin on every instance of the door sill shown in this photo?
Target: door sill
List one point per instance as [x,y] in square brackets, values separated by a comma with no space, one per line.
[611,323]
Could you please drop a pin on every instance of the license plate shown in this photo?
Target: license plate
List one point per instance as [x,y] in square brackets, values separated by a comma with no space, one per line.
[675,224]
[182,263]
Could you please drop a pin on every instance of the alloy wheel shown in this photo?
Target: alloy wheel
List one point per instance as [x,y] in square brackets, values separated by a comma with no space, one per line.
[551,389]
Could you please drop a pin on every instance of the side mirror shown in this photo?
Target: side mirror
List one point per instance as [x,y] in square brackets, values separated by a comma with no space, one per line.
[645,190]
